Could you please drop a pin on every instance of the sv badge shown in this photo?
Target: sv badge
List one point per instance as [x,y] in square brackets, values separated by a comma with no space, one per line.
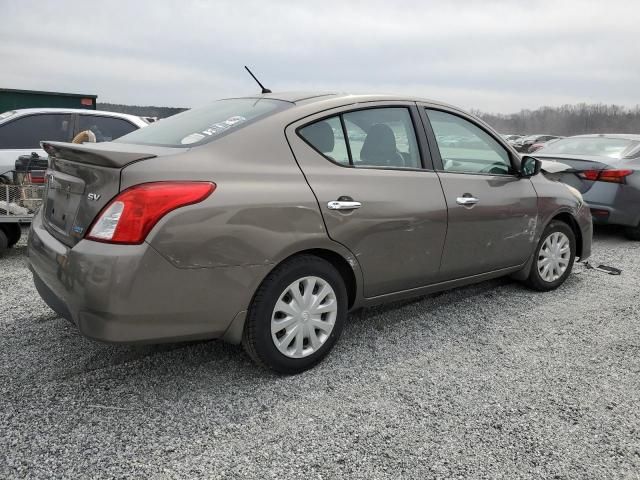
[94,196]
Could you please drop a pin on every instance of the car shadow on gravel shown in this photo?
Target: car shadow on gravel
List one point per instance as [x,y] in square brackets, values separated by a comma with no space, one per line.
[362,333]
[225,363]
[362,330]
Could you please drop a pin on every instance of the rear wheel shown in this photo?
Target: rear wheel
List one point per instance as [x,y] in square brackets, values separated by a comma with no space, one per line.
[296,316]
[13,233]
[553,258]
[632,233]
[4,241]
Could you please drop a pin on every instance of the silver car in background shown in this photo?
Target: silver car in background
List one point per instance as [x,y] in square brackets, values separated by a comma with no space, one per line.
[22,130]
[264,220]
[605,168]
[524,144]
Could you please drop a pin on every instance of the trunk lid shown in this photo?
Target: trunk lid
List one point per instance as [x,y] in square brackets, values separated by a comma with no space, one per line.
[576,164]
[81,180]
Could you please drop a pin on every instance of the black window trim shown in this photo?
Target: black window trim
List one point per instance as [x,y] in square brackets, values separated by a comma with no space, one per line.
[72,124]
[108,116]
[433,143]
[345,134]
[424,150]
[79,114]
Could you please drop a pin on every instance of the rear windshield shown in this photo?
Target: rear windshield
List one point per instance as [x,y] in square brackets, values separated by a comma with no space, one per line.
[600,146]
[203,124]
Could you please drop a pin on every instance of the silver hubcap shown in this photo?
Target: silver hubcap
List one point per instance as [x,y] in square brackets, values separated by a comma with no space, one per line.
[303,317]
[554,256]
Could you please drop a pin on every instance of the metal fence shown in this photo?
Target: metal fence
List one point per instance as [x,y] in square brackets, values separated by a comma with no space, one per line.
[20,202]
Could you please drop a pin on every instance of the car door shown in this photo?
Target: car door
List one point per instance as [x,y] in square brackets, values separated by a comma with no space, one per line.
[22,135]
[492,210]
[104,128]
[371,172]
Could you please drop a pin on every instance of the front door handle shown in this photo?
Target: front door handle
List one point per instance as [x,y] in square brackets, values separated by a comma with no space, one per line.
[467,201]
[343,205]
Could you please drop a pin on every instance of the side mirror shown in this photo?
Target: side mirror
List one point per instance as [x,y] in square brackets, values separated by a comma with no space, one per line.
[529,166]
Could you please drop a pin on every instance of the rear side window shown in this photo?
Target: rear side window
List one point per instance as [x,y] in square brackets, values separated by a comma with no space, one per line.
[327,137]
[28,132]
[376,137]
[204,124]
[105,128]
[382,137]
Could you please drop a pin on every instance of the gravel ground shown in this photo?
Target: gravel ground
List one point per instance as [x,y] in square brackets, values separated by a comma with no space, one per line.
[490,381]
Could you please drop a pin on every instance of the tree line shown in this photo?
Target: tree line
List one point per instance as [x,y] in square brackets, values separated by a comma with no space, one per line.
[567,120]
[140,111]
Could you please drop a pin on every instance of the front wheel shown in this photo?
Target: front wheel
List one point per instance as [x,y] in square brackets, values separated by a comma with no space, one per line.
[553,258]
[296,315]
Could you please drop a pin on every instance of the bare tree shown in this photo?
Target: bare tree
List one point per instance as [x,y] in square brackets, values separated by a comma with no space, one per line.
[568,120]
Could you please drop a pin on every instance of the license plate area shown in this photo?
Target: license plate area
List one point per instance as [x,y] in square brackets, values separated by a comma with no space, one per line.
[64,193]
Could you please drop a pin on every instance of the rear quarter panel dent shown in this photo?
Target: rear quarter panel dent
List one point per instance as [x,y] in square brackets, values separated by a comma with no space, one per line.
[262,207]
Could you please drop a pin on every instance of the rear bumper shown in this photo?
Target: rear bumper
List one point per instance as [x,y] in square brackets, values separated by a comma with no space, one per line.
[614,204]
[130,293]
[607,214]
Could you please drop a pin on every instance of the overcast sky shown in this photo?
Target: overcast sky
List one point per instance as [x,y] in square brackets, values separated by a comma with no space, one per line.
[497,56]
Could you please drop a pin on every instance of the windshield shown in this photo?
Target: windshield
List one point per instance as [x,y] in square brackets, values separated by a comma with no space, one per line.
[203,124]
[600,146]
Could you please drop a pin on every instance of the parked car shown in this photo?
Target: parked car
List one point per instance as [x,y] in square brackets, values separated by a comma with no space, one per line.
[22,130]
[511,138]
[606,170]
[253,221]
[524,144]
[538,145]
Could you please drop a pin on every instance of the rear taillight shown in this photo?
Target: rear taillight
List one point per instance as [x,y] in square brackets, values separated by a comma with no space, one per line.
[614,176]
[131,215]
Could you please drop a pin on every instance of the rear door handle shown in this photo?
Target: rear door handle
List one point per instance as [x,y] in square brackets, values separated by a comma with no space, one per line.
[343,205]
[467,201]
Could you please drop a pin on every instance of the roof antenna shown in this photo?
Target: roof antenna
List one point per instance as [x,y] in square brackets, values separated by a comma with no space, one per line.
[264,90]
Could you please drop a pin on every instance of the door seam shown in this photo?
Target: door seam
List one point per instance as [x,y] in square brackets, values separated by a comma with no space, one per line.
[326,228]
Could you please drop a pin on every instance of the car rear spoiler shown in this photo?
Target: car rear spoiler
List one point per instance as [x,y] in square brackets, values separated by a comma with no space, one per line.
[114,155]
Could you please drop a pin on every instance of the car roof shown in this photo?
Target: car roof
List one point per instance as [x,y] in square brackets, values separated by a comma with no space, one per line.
[31,111]
[309,97]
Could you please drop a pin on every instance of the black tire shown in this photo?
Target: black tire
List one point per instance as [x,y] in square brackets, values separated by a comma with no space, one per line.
[632,233]
[535,280]
[257,340]
[4,241]
[13,233]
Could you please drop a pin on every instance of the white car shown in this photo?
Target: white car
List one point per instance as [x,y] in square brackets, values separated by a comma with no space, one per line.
[22,130]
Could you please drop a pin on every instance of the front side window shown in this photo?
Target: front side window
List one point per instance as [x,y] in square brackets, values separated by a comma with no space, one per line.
[466,148]
[204,124]
[105,128]
[28,132]
[376,137]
